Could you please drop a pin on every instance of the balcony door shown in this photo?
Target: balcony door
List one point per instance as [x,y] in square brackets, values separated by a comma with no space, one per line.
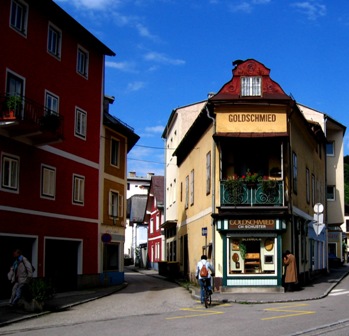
[15,87]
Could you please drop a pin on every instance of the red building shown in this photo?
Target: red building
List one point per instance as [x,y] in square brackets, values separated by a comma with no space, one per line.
[154,217]
[50,142]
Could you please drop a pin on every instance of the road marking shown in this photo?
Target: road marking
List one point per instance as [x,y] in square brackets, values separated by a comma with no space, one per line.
[201,312]
[336,292]
[288,309]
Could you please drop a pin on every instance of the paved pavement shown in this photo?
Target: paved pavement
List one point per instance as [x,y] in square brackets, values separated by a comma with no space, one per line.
[319,288]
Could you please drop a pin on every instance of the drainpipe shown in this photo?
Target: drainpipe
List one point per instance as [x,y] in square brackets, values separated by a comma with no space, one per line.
[213,187]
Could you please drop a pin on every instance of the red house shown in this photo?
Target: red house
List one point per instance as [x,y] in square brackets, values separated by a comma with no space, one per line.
[51,107]
[154,217]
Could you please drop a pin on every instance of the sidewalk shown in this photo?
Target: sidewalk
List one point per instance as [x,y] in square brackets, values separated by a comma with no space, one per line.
[320,287]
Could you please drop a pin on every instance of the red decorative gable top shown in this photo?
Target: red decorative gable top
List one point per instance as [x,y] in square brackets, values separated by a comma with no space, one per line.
[250,68]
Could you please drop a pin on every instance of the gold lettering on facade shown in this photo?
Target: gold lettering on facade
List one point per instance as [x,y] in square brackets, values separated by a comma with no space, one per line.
[250,224]
[252,117]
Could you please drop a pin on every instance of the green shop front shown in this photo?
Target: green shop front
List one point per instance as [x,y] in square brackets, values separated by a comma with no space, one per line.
[252,252]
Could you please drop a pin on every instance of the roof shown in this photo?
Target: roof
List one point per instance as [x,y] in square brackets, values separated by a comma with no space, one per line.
[118,126]
[157,188]
[136,205]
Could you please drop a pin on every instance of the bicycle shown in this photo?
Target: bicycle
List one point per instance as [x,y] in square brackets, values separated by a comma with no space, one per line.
[207,292]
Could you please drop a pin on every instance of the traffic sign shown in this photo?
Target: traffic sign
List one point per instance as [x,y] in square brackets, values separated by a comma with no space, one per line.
[204,231]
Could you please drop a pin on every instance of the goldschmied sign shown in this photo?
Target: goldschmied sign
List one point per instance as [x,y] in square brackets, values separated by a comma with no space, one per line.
[252,224]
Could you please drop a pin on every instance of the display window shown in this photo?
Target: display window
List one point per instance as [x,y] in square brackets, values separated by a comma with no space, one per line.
[252,255]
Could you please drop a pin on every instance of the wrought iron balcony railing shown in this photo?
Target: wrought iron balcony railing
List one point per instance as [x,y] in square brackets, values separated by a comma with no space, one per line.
[266,193]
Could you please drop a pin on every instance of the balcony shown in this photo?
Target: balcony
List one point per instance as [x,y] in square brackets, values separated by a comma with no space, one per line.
[266,193]
[24,120]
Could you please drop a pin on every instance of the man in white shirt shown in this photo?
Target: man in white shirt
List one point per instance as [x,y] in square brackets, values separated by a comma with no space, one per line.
[206,279]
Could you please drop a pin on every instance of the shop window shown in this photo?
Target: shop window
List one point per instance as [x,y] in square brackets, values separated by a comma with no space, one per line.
[252,255]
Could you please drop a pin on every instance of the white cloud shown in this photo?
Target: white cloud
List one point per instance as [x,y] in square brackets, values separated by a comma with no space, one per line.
[92,4]
[312,9]
[247,6]
[123,66]
[135,86]
[155,129]
[162,58]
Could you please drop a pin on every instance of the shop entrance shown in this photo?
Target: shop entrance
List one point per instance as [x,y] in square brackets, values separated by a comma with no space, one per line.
[8,244]
[61,263]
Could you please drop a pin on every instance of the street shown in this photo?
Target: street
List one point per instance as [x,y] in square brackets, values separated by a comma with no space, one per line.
[152,306]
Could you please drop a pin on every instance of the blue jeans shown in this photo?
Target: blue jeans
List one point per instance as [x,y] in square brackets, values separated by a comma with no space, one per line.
[202,284]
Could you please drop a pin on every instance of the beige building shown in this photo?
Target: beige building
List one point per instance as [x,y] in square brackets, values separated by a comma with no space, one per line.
[249,171]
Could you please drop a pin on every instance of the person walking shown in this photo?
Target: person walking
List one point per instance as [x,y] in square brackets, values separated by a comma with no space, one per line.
[291,277]
[202,279]
[20,274]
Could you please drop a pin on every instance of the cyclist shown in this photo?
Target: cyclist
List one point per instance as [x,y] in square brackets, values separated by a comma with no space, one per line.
[207,279]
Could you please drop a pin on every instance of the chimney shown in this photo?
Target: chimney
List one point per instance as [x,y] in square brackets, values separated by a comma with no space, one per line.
[132,174]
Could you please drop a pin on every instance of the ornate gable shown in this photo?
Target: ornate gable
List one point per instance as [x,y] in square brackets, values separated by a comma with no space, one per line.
[250,80]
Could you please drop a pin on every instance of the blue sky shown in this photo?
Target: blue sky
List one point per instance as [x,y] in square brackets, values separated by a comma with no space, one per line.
[171,53]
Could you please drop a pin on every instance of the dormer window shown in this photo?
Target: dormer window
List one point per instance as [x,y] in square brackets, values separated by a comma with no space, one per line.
[251,86]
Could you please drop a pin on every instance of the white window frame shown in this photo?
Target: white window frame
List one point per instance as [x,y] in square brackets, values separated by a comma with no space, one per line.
[82,61]
[157,223]
[251,86]
[48,182]
[51,103]
[114,152]
[19,17]
[78,189]
[115,205]
[10,165]
[151,225]
[80,123]
[54,42]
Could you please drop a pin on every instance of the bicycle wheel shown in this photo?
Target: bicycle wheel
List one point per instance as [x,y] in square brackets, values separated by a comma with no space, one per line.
[207,298]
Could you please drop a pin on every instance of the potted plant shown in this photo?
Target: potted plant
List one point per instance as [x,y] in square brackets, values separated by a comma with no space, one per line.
[50,122]
[41,291]
[13,104]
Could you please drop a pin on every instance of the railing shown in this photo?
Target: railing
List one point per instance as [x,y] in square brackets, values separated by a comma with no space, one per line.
[30,112]
[266,193]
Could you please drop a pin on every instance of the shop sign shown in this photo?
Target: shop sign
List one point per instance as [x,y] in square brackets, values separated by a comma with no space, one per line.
[252,224]
[106,238]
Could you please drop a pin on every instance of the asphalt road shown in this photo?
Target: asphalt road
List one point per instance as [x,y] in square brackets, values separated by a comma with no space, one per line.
[152,306]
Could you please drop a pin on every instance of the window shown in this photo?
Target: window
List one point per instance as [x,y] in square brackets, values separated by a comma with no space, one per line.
[111,257]
[10,173]
[331,193]
[151,225]
[251,86]
[295,172]
[14,85]
[313,189]
[330,148]
[51,103]
[19,16]
[78,189]
[116,205]
[48,182]
[192,187]
[208,173]
[54,41]
[187,192]
[114,155]
[80,123]
[307,184]
[157,222]
[82,62]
